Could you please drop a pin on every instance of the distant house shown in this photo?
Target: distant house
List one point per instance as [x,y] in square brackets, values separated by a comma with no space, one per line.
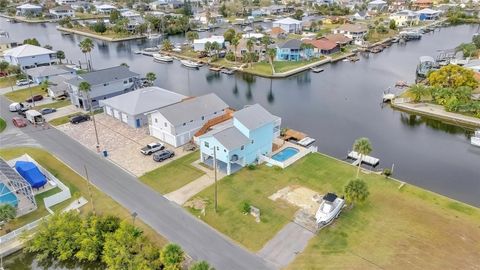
[339,39]
[292,50]
[177,124]
[257,13]
[29,10]
[134,19]
[65,2]
[405,18]
[289,25]
[323,46]
[428,14]
[241,140]
[377,6]
[397,5]
[104,83]
[44,73]
[242,48]
[6,43]
[353,31]
[57,87]
[199,44]
[274,10]
[277,32]
[360,16]
[28,56]
[421,4]
[62,12]
[131,108]
[105,8]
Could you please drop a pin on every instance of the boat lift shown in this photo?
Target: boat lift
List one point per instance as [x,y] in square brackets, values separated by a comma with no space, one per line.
[372,161]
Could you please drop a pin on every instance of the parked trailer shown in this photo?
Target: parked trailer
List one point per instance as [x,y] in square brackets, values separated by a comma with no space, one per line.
[34,117]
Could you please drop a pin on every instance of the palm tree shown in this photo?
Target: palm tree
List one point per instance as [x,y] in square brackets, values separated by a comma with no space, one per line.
[272,53]
[167,45]
[151,77]
[356,191]
[306,48]
[250,43]
[208,47]
[87,46]
[216,48]
[266,40]
[4,66]
[363,147]
[60,56]
[85,87]
[191,36]
[418,91]
[7,212]
[235,41]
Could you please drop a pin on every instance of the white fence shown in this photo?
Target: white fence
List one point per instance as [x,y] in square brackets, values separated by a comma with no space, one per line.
[16,233]
[272,161]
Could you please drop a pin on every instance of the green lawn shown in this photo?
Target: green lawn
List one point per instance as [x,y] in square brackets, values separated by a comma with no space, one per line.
[62,120]
[7,81]
[23,94]
[173,175]
[3,124]
[395,228]
[265,69]
[102,202]
[55,105]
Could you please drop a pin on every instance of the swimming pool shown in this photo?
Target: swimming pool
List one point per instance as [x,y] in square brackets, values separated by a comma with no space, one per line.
[7,197]
[285,154]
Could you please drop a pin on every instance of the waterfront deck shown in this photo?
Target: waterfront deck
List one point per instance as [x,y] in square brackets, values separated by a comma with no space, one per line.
[372,161]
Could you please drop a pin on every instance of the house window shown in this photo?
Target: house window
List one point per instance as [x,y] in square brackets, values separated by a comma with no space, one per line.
[215,113]
[252,141]
[130,80]
[203,117]
[225,150]
[207,145]
[184,124]
[125,82]
[243,147]
[218,148]
[165,124]
[156,120]
[105,84]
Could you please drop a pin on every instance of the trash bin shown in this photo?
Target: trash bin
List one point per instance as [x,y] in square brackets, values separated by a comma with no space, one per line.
[105,153]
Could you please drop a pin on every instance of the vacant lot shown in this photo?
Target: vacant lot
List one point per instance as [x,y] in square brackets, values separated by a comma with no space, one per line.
[23,94]
[102,202]
[173,175]
[408,228]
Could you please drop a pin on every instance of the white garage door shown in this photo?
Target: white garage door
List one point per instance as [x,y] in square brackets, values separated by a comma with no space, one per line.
[124,118]
[116,114]
[108,110]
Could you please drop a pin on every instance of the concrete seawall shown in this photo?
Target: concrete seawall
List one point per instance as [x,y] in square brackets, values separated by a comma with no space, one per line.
[78,32]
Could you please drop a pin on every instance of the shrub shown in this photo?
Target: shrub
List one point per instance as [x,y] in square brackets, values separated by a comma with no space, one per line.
[245,207]
[252,167]
[387,172]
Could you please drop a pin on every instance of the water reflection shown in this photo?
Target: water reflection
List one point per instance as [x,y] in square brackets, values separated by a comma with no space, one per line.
[303,79]
[26,261]
[213,76]
[414,121]
[270,97]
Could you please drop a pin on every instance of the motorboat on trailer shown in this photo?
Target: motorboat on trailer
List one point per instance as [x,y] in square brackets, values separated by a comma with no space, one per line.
[329,209]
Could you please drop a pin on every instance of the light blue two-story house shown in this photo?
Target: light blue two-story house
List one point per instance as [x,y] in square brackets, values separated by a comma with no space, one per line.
[241,140]
[292,50]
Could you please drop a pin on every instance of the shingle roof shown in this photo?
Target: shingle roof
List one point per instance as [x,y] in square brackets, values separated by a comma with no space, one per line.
[104,75]
[338,38]
[291,44]
[287,21]
[231,138]
[254,116]
[57,84]
[193,108]
[354,27]
[27,50]
[143,100]
[48,71]
[323,43]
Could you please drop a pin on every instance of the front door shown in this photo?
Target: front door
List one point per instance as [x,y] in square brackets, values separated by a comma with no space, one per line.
[137,123]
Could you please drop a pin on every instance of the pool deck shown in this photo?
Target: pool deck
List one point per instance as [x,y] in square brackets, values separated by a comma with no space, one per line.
[302,151]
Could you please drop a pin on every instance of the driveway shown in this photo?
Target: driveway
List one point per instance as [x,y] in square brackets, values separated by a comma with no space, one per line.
[287,243]
[121,142]
[63,111]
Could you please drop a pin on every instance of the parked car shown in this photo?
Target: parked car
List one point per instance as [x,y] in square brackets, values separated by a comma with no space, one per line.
[23,82]
[152,148]
[34,98]
[163,155]
[79,118]
[47,110]
[14,107]
[19,122]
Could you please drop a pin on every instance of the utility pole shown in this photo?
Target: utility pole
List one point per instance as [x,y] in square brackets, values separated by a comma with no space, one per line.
[89,189]
[94,124]
[215,170]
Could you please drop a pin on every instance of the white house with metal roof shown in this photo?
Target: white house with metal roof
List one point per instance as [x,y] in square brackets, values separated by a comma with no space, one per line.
[131,107]
[177,124]
[28,56]
[241,140]
[28,10]
[289,25]
[104,83]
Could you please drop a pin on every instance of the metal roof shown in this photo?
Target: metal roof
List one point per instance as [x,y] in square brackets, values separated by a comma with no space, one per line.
[231,138]
[104,75]
[27,50]
[254,116]
[48,70]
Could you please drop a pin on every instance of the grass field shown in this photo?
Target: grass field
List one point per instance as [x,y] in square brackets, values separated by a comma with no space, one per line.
[3,124]
[55,105]
[102,202]
[173,175]
[23,94]
[265,69]
[7,81]
[395,229]
[62,120]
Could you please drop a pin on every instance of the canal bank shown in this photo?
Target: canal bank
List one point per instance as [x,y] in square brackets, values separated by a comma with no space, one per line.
[100,37]
[335,107]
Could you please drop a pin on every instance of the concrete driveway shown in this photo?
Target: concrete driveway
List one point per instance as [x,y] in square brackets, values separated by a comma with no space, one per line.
[121,142]
[63,111]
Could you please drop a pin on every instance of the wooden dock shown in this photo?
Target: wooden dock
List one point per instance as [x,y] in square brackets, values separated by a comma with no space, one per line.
[365,159]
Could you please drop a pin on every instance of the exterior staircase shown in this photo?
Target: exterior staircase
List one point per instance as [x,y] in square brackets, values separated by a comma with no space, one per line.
[215,121]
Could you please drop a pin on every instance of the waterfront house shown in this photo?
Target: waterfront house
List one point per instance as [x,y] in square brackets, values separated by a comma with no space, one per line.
[105,8]
[134,19]
[28,56]
[360,16]
[29,10]
[6,43]
[397,5]
[377,6]
[289,25]
[62,12]
[353,31]
[292,50]
[323,46]
[104,83]
[339,39]
[242,48]
[46,73]
[428,14]
[199,44]
[405,18]
[176,124]
[241,140]
[66,2]
[277,32]
[131,108]
[57,87]
[421,4]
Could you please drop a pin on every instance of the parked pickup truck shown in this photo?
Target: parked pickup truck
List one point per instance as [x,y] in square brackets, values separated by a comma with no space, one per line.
[152,148]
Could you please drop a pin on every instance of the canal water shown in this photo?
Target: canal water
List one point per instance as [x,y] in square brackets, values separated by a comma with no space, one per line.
[335,107]
[26,261]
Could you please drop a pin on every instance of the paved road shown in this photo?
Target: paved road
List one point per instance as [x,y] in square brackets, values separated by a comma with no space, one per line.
[170,220]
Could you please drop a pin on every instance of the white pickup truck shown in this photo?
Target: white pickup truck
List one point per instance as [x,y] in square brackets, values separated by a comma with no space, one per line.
[152,148]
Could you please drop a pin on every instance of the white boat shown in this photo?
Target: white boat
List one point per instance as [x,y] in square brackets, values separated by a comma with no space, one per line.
[151,49]
[162,58]
[388,97]
[330,208]
[227,71]
[316,69]
[190,64]
[305,142]
[154,36]
[475,139]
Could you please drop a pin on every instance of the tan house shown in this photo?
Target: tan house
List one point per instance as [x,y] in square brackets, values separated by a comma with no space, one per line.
[339,39]
[242,48]
[277,32]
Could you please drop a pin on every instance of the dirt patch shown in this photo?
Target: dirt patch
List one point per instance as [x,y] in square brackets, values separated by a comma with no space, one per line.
[302,197]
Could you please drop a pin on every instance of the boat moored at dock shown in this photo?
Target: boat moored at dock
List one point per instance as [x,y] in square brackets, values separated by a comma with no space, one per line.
[475,139]
[162,58]
[316,69]
[190,64]
[364,159]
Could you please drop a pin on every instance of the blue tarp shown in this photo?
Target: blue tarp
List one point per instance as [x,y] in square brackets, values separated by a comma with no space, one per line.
[31,173]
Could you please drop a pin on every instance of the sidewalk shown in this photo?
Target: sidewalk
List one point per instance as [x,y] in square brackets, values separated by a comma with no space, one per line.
[183,194]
